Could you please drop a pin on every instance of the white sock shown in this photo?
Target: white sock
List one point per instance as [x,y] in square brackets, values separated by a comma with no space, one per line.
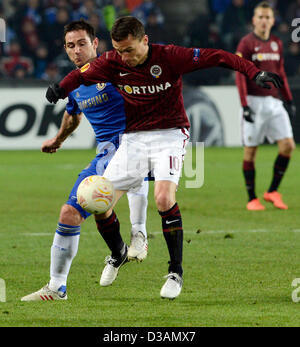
[138,203]
[63,251]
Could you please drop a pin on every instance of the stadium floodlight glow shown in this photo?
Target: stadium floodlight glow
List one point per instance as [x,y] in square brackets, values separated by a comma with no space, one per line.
[2,30]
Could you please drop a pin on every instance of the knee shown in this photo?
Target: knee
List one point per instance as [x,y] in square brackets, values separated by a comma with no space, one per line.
[287,148]
[249,153]
[105,215]
[69,215]
[163,201]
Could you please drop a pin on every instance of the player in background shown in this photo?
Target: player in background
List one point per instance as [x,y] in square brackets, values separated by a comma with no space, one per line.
[264,114]
[149,76]
[103,106]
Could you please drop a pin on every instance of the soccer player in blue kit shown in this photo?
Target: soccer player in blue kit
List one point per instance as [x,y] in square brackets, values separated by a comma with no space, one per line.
[103,106]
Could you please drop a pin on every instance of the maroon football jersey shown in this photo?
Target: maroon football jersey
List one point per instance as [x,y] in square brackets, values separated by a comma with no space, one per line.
[153,90]
[267,55]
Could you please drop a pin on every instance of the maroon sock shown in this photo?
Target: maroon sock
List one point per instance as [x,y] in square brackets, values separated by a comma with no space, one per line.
[249,174]
[280,166]
[109,229]
[173,234]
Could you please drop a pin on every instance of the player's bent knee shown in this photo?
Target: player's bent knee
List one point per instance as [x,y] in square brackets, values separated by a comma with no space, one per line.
[291,146]
[164,202]
[250,153]
[165,195]
[286,147]
[104,215]
[70,216]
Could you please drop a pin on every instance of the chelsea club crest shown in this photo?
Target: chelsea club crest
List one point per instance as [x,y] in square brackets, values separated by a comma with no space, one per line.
[100,86]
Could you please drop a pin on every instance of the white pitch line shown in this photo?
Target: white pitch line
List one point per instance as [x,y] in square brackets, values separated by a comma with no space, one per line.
[37,234]
[186,232]
[225,231]
[217,231]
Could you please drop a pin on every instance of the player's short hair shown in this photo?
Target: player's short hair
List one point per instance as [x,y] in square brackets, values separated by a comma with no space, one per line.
[125,26]
[263,4]
[79,25]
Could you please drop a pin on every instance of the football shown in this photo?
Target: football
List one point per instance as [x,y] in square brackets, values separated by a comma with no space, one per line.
[95,194]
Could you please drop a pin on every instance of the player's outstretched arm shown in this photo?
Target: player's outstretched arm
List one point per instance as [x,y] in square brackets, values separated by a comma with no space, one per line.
[60,91]
[263,77]
[68,125]
[210,57]
[89,74]
[54,93]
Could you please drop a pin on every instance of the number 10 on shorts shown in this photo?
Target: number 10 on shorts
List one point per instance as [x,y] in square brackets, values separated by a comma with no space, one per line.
[174,164]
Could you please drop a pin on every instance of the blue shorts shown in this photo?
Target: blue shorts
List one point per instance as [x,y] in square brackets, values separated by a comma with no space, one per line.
[97,166]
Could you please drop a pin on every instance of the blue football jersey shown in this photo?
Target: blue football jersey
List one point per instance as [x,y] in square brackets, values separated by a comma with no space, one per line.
[102,105]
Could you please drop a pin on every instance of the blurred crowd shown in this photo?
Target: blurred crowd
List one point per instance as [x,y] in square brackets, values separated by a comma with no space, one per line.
[224,22]
[34,31]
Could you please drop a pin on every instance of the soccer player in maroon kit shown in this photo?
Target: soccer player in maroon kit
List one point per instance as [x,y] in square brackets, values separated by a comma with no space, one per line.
[150,79]
[264,114]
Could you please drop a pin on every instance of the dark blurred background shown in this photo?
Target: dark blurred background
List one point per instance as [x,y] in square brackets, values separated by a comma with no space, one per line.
[34,47]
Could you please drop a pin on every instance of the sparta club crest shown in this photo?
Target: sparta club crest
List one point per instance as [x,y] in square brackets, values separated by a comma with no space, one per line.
[155,71]
[274,46]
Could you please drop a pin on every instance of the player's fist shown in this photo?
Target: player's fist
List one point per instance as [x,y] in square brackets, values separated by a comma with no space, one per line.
[263,77]
[291,109]
[54,93]
[248,114]
[50,146]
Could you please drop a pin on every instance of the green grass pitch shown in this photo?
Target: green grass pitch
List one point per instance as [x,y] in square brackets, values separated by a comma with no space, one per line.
[238,265]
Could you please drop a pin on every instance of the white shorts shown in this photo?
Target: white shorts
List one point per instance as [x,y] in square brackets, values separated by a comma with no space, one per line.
[161,151]
[271,120]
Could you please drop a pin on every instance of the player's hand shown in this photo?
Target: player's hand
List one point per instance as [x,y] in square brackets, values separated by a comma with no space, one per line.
[50,146]
[263,77]
[54,93]
[291,109]
[248,114]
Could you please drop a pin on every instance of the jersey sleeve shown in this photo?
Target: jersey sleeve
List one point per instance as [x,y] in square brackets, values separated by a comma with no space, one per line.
[72,107]
[91,73]
[243,51]
[186,60]
[285,90]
